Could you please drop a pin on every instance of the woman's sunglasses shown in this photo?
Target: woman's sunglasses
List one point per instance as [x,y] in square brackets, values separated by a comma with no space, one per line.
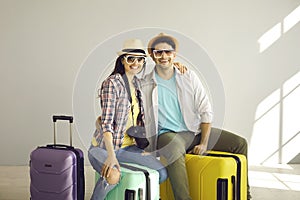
[132,59]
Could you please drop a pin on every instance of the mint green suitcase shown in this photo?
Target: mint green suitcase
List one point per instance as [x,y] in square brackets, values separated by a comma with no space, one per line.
[137,183]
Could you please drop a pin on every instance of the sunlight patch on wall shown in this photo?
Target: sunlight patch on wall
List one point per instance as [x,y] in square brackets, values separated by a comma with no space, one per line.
[291,20]
[276,129]
[273,34]
[291,118]
[265,140]
[267,104]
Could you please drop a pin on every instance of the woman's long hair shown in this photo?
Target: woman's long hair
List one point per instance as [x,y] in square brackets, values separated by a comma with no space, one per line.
[119,67]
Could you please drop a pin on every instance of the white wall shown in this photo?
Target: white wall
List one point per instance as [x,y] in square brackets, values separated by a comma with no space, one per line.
[44,43]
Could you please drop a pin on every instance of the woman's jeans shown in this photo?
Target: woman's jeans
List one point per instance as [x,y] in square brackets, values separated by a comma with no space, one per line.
[130,154]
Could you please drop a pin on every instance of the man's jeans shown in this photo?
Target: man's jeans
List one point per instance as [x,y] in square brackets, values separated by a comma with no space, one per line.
[173,147]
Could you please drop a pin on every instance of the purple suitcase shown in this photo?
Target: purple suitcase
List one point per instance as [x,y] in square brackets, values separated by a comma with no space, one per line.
[56,170]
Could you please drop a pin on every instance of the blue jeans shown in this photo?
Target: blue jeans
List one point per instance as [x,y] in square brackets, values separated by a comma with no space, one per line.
[129,154]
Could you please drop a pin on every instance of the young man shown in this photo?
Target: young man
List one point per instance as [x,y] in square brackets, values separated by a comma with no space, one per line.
[178,115]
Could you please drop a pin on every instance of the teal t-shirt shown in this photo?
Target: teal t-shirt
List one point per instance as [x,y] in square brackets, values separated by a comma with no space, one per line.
[169,114]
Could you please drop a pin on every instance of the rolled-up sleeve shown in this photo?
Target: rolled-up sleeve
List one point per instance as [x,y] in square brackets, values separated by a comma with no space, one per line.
[108,103]
[202,102]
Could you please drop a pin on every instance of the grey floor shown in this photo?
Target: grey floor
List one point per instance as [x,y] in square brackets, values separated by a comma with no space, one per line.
[277,182]
[281,182]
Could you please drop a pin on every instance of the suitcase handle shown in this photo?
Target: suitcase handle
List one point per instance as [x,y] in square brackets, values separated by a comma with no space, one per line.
[60,146]
[64,118]
[147,176]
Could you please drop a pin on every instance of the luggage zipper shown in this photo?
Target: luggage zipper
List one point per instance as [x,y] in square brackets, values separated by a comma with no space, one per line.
[237,186]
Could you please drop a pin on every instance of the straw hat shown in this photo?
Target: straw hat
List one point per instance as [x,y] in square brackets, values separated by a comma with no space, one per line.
[162,36]
[133,47]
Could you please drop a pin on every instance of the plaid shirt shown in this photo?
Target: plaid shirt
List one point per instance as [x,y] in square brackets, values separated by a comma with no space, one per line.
[115,108]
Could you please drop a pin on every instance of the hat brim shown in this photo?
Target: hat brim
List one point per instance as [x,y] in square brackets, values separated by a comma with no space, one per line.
[131,53]
[162,35]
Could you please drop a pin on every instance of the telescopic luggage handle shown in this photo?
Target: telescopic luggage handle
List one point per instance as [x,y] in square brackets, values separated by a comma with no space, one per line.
[63,118]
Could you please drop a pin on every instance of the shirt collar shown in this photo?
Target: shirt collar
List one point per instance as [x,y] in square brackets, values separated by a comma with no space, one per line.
[152,73]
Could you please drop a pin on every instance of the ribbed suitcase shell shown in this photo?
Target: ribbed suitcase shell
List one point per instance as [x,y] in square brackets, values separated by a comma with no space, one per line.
[215,176]
[57,170]
[134,181]
[56,173]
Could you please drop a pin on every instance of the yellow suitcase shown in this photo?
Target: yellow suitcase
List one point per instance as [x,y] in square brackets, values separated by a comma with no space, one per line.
[213,176]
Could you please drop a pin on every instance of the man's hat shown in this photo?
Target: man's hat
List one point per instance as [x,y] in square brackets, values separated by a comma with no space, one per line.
[162,36]
[133,47]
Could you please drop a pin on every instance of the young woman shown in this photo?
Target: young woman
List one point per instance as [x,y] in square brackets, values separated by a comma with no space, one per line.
[122,108]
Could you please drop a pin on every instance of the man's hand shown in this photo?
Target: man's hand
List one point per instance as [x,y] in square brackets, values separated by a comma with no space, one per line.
[199,149]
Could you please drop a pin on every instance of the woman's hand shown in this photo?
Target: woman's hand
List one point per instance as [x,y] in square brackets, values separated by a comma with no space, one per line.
[109,164]
[182,68]
[111,167]
[111,170]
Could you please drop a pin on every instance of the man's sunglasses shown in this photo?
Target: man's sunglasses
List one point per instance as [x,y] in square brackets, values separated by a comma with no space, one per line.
[159,53]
